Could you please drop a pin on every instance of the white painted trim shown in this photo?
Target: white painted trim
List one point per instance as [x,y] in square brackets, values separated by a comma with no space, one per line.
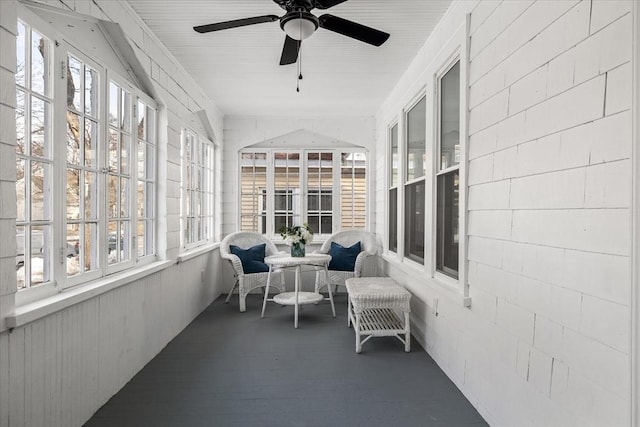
[45,307]
[388,172]
[196,252]
[635,249]
[426,289]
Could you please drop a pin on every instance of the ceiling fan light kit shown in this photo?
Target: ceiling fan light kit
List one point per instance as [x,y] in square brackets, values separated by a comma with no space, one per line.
[299,23]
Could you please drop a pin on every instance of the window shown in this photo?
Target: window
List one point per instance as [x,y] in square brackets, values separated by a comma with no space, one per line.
[77,205]
[253,191]
[83,168]
[119,175]
[197,189]
[286,197]
[329,194]
[34,154]
[146,192]
[414,189]
[393,189]
[427,173]
[320,192]
[448,173]
[353,189]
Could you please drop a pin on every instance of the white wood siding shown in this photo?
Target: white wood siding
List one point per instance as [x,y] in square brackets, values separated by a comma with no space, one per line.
[59,369]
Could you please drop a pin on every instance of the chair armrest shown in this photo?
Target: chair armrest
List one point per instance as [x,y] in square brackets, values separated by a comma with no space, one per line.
[235,263]
[362,256]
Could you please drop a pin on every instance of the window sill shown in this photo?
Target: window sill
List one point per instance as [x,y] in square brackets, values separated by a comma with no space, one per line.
[449,287]
[440,285]
[195,252]
[36,310]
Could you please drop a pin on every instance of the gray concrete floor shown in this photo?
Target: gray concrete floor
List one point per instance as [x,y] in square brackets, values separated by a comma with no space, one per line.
[234,369]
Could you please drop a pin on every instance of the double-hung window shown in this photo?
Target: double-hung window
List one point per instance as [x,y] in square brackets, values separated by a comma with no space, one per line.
[197,189]
[448,173]
[86,174]
[414,188]
[324,188]
[427,171]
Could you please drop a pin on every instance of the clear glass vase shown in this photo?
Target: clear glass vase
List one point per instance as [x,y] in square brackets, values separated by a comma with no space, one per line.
[297,250]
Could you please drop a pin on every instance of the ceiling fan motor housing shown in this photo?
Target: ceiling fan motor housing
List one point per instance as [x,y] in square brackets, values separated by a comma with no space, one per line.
[294,5]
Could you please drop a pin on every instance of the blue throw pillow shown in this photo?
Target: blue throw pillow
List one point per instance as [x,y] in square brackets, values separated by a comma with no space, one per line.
[252,259]
[343,259]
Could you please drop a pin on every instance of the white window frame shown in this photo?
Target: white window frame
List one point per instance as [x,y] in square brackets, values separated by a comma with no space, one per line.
[270,230]
[456,48]
[60,119]
[437,172]
[205,186]
[297,209]
[404,182]
[150,179]
[132,176]
[259,195]
[58,127]
[32,23]
[352,185]
[391,186]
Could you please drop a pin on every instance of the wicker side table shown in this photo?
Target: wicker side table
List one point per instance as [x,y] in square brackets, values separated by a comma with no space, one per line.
[374,305]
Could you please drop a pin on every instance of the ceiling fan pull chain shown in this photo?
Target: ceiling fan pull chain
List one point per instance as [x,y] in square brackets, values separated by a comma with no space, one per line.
[299,66]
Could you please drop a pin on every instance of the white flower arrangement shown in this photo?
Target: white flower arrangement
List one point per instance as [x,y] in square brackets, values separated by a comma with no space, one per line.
[297,234]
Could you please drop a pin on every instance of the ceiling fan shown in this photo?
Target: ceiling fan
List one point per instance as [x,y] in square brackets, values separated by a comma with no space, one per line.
[299,23]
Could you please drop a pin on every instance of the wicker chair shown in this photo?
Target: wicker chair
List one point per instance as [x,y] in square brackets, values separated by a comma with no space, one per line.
[247,282]
[368,245]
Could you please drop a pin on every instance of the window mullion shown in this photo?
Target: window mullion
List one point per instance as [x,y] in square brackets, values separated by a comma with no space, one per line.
[336,197]
[133,177]
[402,168]
[59,160]
[271,162]
[304,189]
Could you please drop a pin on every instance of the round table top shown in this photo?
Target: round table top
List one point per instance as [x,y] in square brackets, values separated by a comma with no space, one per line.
[290,261]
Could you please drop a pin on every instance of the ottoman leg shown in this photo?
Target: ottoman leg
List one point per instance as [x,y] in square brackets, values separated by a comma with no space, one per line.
[357,328]
[407,334]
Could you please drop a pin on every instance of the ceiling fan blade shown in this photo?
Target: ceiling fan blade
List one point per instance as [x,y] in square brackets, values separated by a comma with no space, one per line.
[290,51]
[326,4]
[353,30]
[235,23]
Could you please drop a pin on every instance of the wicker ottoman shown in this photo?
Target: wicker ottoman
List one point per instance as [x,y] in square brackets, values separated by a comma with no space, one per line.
[374,305]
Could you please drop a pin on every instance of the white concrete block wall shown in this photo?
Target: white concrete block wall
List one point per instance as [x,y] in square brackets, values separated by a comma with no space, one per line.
[553,189]
[546,339]
[59,369]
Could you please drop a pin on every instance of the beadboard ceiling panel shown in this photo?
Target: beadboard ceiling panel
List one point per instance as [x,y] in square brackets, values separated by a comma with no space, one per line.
[239,70]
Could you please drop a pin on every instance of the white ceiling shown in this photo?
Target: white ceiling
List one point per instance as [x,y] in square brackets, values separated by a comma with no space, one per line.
[238,68]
